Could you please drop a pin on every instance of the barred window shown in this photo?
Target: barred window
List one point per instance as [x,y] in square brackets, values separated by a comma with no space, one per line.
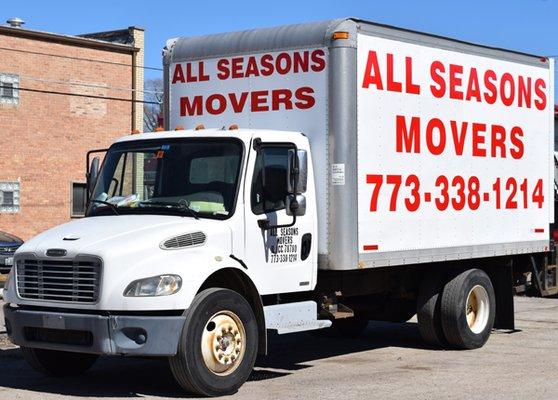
[9,197]
[9,89]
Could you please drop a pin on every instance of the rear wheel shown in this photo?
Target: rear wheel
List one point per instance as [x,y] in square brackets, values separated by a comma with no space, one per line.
[218,346]
[58,363]
[429,310]
[468,309]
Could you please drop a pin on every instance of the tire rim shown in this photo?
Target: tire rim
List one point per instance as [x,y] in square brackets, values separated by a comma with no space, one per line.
[477,309]
[223,343]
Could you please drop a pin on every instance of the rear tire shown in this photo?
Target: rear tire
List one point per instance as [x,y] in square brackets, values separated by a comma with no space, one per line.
[468,309]
[218,346]
[58,363]
[429,311]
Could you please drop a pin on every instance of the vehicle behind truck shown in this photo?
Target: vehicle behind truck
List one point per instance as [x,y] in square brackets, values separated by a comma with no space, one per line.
[311,177]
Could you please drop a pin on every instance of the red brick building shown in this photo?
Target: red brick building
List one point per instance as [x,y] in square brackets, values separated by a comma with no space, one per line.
[60,96]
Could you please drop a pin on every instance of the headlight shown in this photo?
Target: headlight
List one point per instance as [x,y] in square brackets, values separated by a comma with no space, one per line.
[161,285]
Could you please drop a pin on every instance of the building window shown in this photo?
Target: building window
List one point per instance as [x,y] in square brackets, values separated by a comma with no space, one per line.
[9,197]
[9,89]
[79,194]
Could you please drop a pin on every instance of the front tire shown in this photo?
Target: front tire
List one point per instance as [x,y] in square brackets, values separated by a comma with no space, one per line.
[218,346]
[468,309]
[58,363]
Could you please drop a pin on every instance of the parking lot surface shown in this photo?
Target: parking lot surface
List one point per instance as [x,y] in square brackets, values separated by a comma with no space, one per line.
[387,362]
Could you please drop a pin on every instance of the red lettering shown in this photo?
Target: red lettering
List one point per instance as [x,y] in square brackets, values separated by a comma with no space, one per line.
[223,68]
[478,139]
[473,89]
[491,95]
[392,84]
[267,65]
[283,63]
[540,86]
[498,141]
[258,101]
[210,104]
[411,87]
[438,90]
[458,136]
[408,138]
[524,92]
[435,123]
[516,135]
[301,61]
[372,72]
[189,108]
[305,98]
[236,69]
[238,104]
[252,68]
[190,76]
[318,60]
[281,96]
[455,72]
[507,98]
[202,75]
[178,75]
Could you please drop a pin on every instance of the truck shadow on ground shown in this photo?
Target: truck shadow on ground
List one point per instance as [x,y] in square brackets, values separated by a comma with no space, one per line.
[120,377]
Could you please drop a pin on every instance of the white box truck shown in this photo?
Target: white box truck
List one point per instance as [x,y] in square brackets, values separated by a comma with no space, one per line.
[330,174]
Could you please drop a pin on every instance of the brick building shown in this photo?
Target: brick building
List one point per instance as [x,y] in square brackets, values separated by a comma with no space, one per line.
[60,96]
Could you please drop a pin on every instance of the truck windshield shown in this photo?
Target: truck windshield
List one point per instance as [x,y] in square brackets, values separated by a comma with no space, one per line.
[191,177]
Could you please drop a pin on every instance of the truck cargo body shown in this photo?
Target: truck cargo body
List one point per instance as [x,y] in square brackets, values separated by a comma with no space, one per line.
[425,148]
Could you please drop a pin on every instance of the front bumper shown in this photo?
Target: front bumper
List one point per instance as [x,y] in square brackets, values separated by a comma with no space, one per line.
[93,333]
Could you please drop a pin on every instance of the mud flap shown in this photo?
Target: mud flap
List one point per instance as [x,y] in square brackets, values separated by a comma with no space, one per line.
[502,281]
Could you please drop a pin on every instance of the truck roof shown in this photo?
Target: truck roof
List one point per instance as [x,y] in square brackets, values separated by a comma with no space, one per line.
[316,34]
[244,134]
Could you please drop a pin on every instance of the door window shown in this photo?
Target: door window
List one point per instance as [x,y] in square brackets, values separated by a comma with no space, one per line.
[269,183]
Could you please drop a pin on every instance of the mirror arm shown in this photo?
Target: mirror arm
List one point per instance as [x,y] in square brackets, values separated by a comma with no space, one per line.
[264,224]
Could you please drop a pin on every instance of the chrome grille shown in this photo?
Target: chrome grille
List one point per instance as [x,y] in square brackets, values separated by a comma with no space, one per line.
[59,280]
[8,251]
[186,240]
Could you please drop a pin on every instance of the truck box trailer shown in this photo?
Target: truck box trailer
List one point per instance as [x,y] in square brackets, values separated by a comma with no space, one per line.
[311,178]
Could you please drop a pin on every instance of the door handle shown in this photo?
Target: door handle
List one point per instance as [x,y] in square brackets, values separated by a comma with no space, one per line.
[305,246]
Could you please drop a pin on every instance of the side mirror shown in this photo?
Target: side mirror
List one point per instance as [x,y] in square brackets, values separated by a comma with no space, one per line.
[92,175]
[295,205]
[297,174]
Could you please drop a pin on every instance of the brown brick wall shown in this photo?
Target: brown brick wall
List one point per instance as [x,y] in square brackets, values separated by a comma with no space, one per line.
[44,140]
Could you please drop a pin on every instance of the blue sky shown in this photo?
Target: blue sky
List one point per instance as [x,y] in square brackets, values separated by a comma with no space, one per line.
[528,25]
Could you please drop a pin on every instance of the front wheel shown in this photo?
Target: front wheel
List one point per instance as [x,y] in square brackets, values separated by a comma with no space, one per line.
[58,363]
[218,346]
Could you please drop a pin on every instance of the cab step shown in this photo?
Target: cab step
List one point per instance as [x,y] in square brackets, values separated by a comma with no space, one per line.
[294,317]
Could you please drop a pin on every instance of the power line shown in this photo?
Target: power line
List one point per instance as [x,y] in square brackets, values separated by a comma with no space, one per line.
[80,58]
[90,85]
[80,95]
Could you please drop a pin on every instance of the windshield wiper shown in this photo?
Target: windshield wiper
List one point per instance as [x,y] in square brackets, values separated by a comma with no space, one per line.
[106,203]
[182,205]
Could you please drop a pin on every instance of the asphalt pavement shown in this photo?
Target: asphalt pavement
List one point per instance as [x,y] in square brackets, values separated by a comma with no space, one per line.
[388,362]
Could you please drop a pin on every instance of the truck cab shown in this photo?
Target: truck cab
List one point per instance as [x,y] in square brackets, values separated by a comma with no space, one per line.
[170,214]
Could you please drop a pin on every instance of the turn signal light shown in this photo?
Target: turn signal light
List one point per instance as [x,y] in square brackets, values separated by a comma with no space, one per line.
[340,35]
[233,127]
[198,127]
